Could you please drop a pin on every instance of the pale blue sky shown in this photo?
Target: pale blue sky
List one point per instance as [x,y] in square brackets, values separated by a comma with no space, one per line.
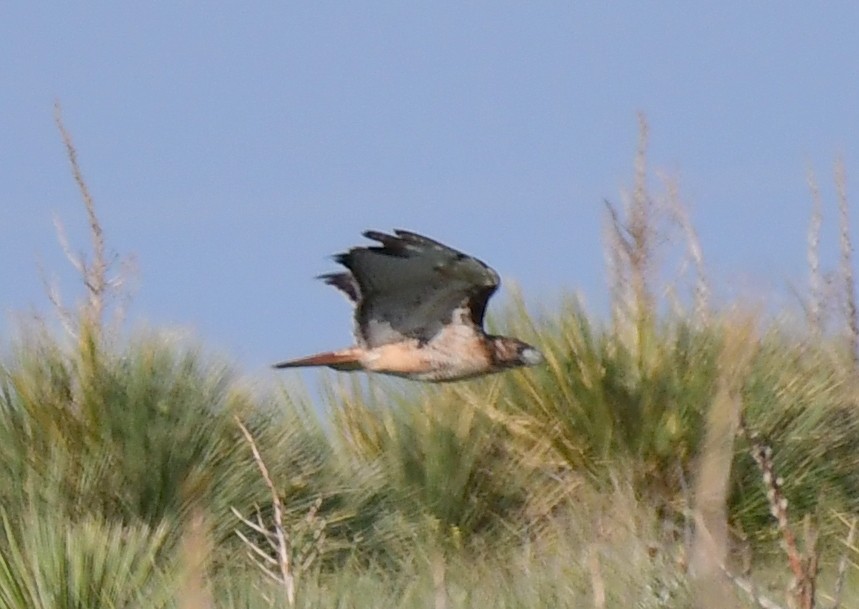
[233,146]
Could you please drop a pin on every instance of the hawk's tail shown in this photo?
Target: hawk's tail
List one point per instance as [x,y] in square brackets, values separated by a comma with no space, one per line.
[346,360]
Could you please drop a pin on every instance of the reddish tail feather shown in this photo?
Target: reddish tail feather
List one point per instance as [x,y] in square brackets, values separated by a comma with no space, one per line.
[348,359]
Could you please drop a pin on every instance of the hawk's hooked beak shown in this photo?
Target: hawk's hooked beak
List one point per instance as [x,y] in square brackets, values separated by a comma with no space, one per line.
[531,356]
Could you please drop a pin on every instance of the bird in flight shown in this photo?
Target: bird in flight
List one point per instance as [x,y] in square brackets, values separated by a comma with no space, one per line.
[419,308]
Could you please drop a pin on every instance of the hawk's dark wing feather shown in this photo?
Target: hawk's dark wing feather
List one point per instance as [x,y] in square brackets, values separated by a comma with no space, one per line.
[343,282]
[411,286]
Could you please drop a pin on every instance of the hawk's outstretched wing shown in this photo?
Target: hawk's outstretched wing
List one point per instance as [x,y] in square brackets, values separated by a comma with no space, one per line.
[411,286]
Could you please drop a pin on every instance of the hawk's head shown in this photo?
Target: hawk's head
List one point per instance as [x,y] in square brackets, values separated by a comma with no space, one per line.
[512,353]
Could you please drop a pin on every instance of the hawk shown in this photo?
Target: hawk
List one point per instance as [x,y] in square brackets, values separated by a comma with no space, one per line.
[419,308]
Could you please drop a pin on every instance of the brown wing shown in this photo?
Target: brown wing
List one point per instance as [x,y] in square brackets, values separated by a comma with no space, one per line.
[411,286]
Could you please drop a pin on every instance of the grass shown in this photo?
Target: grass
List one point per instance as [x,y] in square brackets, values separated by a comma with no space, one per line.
[50,562]
[625,472]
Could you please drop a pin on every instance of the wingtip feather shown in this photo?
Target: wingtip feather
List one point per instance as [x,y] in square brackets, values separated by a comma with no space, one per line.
[344,282]
[411,236]
[376,235]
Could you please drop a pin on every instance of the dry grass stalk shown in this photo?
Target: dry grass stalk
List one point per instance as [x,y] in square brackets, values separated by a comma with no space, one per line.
[841,578]
[802,592]
[279,541]
[807,591]
[287,555]
[710,543]
[94,273]
[634,235]
[630,249]
[616,268]
[439,580]
[640,229]
[195,548]
[751,591]
[846,267]
[701,292]
[597,580]
[815,305]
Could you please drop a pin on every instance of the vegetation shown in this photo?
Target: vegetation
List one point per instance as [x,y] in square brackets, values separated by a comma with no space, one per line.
[672,456]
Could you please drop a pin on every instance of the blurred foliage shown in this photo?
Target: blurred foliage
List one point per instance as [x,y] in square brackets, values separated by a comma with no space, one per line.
[143,438]
[50,562]
[121,463]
